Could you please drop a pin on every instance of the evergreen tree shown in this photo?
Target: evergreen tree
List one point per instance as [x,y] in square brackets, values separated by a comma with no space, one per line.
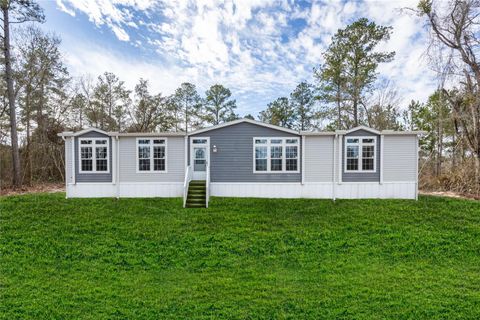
[302,100]
[350,68]
[280,113]
[187,107]
[218,105]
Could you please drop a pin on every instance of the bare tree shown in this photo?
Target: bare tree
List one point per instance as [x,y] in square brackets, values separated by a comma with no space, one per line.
[455,26]
[14,12]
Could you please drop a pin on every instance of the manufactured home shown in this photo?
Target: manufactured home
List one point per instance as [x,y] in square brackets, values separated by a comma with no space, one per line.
[242,158]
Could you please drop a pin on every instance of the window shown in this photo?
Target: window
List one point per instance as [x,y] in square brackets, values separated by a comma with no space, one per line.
[151,155]
[291,155]
[94,156]
[360,154]
[278,155]
[261,158]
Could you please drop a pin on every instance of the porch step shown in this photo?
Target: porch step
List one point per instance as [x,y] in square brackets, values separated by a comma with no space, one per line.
[197,188]
[197,194]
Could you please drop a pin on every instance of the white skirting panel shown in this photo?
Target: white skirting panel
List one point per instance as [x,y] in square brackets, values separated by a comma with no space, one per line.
[367,190]
[390,190]
[143,190]
[125,190]
[346,190]
[271,190]
[91,190]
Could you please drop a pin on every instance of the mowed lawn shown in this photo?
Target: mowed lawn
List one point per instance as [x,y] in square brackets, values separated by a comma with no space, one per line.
[239,259]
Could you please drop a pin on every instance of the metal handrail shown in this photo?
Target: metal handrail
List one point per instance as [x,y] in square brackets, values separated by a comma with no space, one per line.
[186,183]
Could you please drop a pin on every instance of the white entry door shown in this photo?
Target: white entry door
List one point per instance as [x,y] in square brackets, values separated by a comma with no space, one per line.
[199,156]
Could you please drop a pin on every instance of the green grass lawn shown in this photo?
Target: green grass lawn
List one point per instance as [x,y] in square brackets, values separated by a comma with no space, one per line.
[239,259]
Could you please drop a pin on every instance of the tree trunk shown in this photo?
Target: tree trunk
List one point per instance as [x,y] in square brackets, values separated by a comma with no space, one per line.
[438,164]
[29,151]
[186,118]
[355,94]
[454,151]
[339,110]
[477,169]
[81,117]
[355,112]
[17,177]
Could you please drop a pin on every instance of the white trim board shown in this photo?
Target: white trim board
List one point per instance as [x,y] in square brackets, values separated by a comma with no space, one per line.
[199,174]
[151,158]
[371,130]
[74,174]
[269,145]
[360,145]
[94,146]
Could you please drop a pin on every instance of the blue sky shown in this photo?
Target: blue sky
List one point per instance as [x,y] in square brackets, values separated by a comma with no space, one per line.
[260,49]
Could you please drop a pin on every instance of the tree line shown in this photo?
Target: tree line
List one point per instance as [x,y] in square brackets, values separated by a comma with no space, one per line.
[41,98]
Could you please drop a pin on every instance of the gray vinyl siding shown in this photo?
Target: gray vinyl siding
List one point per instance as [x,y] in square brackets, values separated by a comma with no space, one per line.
[399,158]
[92,177]
[319,158]
[361,176]
[175,152]
[68,160]
[233,162]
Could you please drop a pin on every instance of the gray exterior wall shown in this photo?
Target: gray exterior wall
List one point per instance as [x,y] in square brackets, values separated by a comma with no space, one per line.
[92,177]
[233,162]
[319,158]
[361,176]
[400,158]
[175,152]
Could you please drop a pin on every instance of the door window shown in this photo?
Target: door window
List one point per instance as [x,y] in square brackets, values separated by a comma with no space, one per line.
[200,160]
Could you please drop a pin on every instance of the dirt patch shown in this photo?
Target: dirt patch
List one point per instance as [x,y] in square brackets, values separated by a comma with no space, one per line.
[40,188]
[450,194]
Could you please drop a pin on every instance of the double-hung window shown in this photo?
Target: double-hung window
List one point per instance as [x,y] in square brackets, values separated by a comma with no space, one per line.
[360,154]
[276,155]
[94,155]
[151,155]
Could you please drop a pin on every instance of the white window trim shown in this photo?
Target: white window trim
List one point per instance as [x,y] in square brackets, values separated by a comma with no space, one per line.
[284,162]
[137,166]
[94,155]
[360,153]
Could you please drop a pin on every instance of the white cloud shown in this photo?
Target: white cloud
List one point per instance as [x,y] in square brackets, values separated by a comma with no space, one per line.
[94,60]
[113,13]
[259,48]
[120,33]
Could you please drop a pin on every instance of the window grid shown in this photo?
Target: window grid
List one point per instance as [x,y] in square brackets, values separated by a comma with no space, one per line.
[261,158]
[276,155]
[94,155]
[151,155]
[360,154]
[291,155]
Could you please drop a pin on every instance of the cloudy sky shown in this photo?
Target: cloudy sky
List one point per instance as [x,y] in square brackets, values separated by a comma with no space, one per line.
[260,49]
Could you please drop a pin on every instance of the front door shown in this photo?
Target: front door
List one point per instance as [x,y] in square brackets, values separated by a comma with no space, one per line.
[199,154]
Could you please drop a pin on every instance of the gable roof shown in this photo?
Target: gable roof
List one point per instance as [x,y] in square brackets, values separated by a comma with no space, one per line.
[121,134]
[343,132]
[82,132]
[226,124]
[359,128]
[234,122]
